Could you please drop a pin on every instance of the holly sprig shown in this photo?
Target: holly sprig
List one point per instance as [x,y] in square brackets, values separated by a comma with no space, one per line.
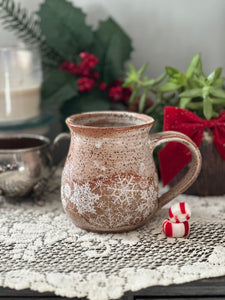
[60,31]
[16,18]
[192,90]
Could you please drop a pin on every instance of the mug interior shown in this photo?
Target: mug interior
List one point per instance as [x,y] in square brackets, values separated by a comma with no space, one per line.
[17,143]
[110,119]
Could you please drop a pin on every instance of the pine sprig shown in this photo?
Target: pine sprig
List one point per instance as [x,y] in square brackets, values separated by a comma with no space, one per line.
[27,28]
[18,19]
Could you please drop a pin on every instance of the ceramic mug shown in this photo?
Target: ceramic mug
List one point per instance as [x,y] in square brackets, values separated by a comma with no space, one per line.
[109,181]
[26,162]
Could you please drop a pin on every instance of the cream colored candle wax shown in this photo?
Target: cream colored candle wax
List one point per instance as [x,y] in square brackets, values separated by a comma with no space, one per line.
[19,104]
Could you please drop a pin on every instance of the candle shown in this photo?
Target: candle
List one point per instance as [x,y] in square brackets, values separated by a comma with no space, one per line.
[20,85]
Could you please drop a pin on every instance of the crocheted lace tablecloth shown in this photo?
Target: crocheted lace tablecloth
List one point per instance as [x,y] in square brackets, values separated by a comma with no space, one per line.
[42,250]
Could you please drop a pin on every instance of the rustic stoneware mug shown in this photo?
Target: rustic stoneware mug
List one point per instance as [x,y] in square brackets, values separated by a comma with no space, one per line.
[109,181]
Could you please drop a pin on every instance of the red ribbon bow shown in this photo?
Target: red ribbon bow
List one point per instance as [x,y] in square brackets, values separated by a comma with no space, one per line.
[175,156]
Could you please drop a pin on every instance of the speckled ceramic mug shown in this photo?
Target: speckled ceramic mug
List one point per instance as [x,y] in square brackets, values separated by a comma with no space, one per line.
[109,181]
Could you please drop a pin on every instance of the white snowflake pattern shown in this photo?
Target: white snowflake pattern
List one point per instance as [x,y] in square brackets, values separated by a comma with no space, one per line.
[150,193]
[98,185]
[67,190]
[120,199]
[144,194]
[83,198]
[149,199]
[144,183]
[123,189]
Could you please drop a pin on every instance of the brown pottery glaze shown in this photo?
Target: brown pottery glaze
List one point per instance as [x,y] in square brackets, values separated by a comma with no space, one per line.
[109,181]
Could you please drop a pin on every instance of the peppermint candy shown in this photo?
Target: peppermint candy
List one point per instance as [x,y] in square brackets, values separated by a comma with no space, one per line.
[177,225]
[175,229]
[179,212]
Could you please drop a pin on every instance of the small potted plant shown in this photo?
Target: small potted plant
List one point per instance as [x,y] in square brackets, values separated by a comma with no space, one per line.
[193,104]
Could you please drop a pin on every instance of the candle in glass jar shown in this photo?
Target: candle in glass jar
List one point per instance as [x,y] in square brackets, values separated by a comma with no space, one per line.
[20,85]
[20,104]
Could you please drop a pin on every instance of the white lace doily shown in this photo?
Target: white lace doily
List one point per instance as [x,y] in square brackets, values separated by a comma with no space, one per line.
[42,250]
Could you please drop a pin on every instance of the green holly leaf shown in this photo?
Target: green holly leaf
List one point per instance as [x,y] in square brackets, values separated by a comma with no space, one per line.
[94,101]
[58,87]
[112,47]
[64,28]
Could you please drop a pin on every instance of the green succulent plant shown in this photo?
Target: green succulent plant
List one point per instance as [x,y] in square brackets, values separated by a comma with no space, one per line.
[192,90]
[141,86]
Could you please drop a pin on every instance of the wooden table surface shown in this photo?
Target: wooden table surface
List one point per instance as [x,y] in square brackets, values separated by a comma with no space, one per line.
[208,289]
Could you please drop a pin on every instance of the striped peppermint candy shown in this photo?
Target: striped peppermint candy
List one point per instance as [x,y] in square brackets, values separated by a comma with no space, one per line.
[179,212]
[175,229]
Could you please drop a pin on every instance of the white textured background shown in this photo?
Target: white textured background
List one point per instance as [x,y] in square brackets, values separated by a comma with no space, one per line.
[164,32]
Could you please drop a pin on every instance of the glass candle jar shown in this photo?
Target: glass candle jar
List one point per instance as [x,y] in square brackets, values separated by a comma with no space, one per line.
[20,85]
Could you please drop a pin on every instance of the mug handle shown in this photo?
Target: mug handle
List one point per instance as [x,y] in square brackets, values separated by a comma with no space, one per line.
[195,165]
[57,141]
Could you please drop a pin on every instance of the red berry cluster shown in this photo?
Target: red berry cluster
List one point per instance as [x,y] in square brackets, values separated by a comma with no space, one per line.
[85,84]
[118,93]
[88,78]
[68,67]
[88,62]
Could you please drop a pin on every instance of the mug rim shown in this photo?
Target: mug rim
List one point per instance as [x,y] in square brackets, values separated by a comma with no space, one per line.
[44,139]
[147,120]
